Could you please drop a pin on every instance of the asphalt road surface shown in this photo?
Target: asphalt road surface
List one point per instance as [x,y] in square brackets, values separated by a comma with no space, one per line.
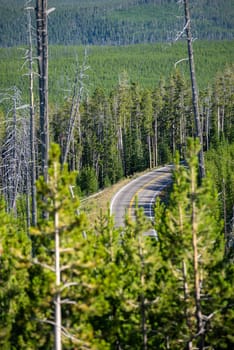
[145,188]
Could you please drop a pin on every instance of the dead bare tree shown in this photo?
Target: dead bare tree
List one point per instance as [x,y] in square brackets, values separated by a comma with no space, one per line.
[74,120]
[29,57]
[195,99]
[15,152]
[42,56]
[197,121]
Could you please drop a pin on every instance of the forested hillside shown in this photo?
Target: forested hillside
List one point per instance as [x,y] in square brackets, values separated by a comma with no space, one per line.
[145,64]
[121,22]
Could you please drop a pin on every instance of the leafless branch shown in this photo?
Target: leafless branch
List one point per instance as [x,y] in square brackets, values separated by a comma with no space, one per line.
[180,34]
[182,59]
[66,267]
[83,345]
[36,262]
[66,250]
[68,285]
[68,301]
[66,333]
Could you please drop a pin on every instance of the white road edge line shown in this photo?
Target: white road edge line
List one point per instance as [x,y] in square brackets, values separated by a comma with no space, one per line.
[128,184]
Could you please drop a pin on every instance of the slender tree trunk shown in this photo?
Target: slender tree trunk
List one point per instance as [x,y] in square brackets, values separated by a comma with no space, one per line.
[197,292]
[58,317]
[156,140]
[120,146]
[28,206]
[42,52]
[218,122]
[149,150]
[222,120]
[207,127]
[225,213]
[14,160]
[143,322]
[32,124]
[143,304]
[75,120]
[194,89]
[186,300]
[181,133]
[173,136]
[74,116]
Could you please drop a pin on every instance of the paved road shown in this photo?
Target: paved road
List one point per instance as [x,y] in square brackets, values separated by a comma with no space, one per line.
[145,188]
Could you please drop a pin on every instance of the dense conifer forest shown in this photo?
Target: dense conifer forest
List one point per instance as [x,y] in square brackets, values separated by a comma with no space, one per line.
[121,22]
[77,119]
[146,65]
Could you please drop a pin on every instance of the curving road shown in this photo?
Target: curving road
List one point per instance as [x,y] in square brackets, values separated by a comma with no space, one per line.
[145,188]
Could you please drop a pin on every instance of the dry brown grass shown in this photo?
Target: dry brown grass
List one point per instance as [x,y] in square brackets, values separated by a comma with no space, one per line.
[100,202]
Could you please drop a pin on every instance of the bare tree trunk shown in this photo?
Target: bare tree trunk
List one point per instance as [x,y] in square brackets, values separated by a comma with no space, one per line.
[222,120]
[32,123]
[15,180]
[143,322]
[156,140]
[58,317]
[218,122]
[225,213]
[173,137]
[142,302]
[42,51]
[120,146]
[28,206]
[197,291]
[194,89]
[78,89]
[207,127]
[15,152]
[186,300]
[149,150]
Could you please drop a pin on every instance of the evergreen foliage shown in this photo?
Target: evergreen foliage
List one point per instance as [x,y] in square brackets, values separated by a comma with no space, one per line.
[192,241]
[220,164]
[87,181]
[119,287]
[57,244]
[15,250]
[146,65]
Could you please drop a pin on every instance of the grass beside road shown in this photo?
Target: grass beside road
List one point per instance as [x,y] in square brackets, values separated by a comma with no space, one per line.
[99,203]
